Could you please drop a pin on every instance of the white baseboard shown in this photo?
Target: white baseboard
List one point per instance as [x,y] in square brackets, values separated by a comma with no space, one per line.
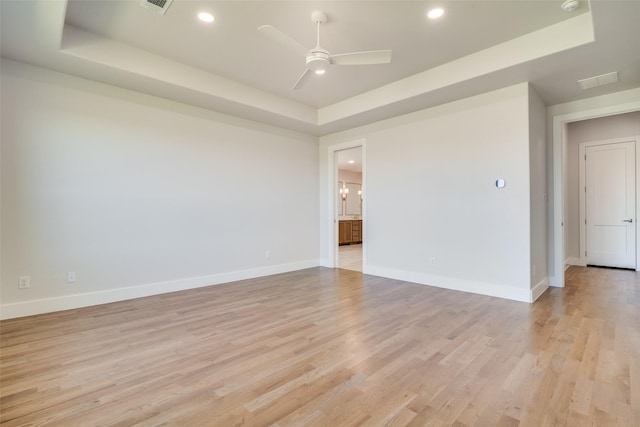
[539,289]
[69,302]
[482,288]
[573,261]
[553,281]
[324,262]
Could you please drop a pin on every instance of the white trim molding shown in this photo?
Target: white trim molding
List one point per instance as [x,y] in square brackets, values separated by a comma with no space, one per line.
[69,302]
[332,218]
[539,289]
[574,261]
[455,284]
[606,105]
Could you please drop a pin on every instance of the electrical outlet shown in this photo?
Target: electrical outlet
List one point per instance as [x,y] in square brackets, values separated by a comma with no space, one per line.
[267,255]
[24,282]
[433,260]
[71,277]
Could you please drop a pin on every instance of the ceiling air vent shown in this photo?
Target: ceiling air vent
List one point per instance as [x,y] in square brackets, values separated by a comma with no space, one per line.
[603,79]
[158,6]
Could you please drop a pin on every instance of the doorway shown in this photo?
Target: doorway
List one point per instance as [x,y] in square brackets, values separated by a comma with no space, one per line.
[608,203]
[559,183]
[349,197]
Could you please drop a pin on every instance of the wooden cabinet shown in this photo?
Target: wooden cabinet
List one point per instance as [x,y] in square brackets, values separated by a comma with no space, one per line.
[349,232]
[344,232]
[356,231]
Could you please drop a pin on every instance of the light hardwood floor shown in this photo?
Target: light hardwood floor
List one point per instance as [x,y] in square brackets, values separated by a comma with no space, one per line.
[323,347]
[350,257]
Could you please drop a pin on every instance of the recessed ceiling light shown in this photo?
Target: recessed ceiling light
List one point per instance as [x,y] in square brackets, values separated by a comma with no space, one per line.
[351,162]
[206,17]
[435,13]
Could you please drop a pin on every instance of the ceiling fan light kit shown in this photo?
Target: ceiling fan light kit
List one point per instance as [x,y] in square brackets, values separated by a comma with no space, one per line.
[318,60]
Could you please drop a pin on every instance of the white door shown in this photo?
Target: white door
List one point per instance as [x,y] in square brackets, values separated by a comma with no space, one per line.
[610,175]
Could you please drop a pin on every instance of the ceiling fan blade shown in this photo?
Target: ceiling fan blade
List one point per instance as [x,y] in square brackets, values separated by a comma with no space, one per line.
[362,58]
[302,81]
[283,39]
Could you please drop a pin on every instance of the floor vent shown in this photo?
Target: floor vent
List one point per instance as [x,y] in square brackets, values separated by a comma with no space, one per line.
[158,6]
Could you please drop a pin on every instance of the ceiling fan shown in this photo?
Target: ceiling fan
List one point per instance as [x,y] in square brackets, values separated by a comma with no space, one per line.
[318,59]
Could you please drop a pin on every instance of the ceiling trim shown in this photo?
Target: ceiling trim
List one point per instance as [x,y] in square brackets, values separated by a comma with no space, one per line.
[68,49]
[225,93]
[556,38]
[106,52]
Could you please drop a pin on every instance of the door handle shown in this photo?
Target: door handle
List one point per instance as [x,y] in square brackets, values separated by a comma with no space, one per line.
[627,220]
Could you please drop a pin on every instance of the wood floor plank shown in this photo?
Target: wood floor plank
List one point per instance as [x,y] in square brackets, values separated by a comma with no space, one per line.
[323,347]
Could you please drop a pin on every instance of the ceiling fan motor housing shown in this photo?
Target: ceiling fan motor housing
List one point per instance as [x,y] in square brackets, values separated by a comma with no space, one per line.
[318,59]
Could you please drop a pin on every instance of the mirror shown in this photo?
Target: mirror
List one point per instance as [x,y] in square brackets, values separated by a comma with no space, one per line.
[353,204]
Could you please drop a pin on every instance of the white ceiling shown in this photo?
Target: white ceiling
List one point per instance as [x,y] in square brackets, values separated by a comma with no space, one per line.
[232,47]
[230,67]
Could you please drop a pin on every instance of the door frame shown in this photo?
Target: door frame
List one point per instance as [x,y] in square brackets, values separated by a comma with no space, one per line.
[583,200]
[332,194]
[558,161]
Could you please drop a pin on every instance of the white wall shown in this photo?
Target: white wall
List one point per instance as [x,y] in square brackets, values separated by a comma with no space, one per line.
[139,195]
[621,125]
[442,163]
[539,198]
